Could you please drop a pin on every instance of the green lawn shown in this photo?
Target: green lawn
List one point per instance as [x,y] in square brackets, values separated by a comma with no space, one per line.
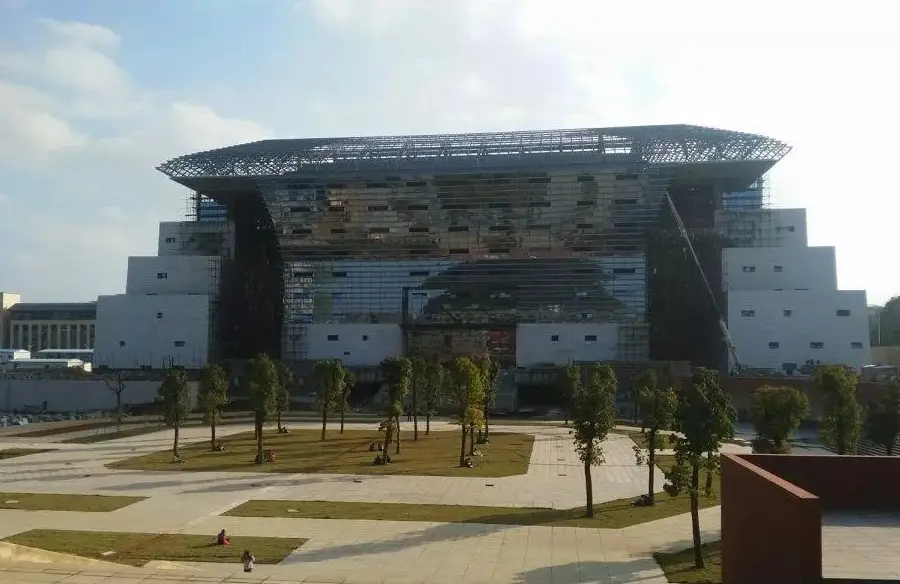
[56,502]
[679,566]
[611,515]
[66,427]
[136,549]
[301,451]
[17,452]
[113,435]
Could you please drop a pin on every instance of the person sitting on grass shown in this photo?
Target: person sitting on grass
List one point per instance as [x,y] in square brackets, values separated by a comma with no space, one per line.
[222,539]
[248,560]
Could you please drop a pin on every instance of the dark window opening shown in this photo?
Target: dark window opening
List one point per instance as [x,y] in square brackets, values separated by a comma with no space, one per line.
[856,345]
[332,337]
[338,230]
[816,345]
[554,338]
[179,343]
[417,207]
[584,226]
[587,203]
[458,250]
[585,178]
[415,183]
[419,273]
[379,229]
[301,231]
[498,250]
[624,270]
[456,206]
[626,176]
[300,209]
[843,312]
[339,274]
[535,204]
[378,207]
[625,201]
[457,228]
[538,180]
[418,230]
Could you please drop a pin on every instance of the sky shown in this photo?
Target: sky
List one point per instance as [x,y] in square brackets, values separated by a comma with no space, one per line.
[94,94]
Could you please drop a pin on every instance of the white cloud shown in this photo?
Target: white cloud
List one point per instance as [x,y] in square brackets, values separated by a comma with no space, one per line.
[95,198]
[82,33]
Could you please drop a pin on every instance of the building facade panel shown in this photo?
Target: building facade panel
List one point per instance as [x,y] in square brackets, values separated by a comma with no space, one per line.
[195,238]
[762,227]
[779,268]
[172,275]
[564,344]
[783,330]
[355,344]
[7,300]
[152,331]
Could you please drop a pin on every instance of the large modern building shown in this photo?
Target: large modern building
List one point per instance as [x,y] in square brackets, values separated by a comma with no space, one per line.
[36,326]
[542,247]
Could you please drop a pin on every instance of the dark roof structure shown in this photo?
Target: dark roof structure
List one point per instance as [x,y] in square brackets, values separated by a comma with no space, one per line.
[652,145]
[53,310]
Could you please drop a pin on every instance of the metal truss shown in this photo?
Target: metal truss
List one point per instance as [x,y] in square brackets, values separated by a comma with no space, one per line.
[652,145]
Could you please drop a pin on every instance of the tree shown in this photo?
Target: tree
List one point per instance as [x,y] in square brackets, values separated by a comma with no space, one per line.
[283,393]
[475,401]
[329,378]
[343,398]
[213,396]
[841,422]
[116,384]
[568,381]
[594,415]
[397,372]
[883,419]
[885,326]
[419,371]
[776,412]
[264,385]
[490,370]
[704,418]
[656,411]
[175,400]
[463,385]
[433,391]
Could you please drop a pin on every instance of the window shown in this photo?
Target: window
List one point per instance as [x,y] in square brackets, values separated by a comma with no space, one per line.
[787,312]
[623,270]
[749,269]
[121,343]
[748,313]
[413,207]
[378,207]
[584,226]
[170,240]
[418,230]
[856,345]
[459,250]
[554,338]
[300,209]
[778,269]
[158,316]
[843,312]
[379,229]
[785,228]
[162,275]
[365,337]
[774,344]
[419,273]
[538,204]
[584,203]
[457,228]
[179,343]
[816,345]
[332,338]
[339,274]
[590,338]
[338,230]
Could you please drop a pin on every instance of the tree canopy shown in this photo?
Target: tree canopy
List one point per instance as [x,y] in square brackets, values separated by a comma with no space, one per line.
[841,422]
[593,416]
[776,412]
[883,420]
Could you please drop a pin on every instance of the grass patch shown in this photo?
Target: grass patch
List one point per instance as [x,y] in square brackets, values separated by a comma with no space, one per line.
[56,502]
[63,428]
[106,436]
[17,452]
[610,515]
[136,549]
[679,566]
[301,451]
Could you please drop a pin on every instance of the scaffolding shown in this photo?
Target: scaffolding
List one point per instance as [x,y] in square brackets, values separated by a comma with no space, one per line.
[461,238]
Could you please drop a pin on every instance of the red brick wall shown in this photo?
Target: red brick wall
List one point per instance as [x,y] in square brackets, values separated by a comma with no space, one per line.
[841,482]
[771,530]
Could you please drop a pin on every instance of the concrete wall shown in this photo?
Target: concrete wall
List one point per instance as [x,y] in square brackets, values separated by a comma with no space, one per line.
[562,344]
[771,328]
[779,268]
[171,274]
[141,331]
[6,301]
[355,344]
[69,395]
[771,529]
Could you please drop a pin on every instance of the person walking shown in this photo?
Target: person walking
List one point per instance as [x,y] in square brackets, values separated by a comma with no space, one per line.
[248,560]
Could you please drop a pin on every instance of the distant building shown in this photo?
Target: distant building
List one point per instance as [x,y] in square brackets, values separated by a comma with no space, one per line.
[54,325]
[6,301]
[13,355]
[32,365]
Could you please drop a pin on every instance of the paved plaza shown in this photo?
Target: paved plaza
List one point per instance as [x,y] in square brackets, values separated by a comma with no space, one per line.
[344,551]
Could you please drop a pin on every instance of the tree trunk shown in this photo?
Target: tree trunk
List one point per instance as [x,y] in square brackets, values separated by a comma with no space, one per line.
[487,428]
[695,513]
[119,412]
[278,420]
[324,421]
[387,439]
[259,438]
[343,412]
[471,439]
[462,445]
[397,437]
[651,462]
[566,415]
[589,490]
[175,442]
[889,448]
[707,488]
[415,413]
[428,423]
[212,435]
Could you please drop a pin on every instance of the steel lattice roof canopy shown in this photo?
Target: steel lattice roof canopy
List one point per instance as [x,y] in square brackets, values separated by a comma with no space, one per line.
[670,145]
